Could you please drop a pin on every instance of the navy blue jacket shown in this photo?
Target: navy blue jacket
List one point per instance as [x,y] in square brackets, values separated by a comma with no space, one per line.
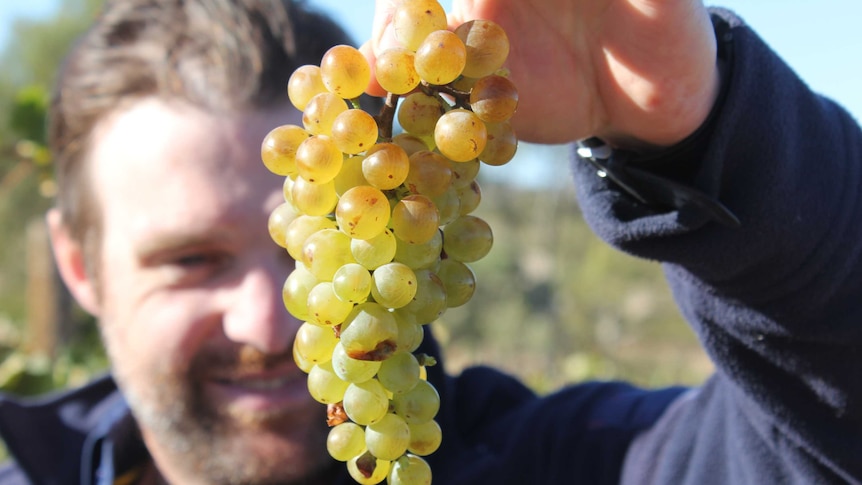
[777,304]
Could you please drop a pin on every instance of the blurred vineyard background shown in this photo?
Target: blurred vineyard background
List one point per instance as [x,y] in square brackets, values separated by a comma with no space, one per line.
[554,304]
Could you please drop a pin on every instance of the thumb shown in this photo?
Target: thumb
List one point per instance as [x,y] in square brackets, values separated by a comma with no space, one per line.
[382,38]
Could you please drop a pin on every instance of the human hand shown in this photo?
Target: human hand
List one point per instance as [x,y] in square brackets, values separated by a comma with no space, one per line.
[635,73]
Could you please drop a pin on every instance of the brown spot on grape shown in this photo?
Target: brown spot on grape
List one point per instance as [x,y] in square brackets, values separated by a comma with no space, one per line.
[380,353]
[335,414]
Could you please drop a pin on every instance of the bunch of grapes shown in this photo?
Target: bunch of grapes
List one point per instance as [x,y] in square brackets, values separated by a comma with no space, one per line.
[381,226]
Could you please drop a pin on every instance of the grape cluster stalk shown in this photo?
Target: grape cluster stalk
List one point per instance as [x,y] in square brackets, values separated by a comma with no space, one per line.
[381,225]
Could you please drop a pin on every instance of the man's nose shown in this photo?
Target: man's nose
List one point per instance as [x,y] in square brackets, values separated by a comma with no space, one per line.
[256,315]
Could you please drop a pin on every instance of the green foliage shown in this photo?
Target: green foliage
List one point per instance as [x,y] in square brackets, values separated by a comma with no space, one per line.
[27,116]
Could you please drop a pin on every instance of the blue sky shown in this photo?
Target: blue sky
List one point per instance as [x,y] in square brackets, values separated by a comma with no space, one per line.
[820,39]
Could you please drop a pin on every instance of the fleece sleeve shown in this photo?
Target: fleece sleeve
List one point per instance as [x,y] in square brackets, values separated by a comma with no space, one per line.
[776,302]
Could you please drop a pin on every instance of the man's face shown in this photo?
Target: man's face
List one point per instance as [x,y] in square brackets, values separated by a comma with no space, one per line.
[191,303]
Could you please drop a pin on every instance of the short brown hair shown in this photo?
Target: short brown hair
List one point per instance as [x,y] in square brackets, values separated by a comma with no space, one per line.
[220,55]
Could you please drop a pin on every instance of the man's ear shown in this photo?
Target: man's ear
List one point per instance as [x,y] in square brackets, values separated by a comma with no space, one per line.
[69,255]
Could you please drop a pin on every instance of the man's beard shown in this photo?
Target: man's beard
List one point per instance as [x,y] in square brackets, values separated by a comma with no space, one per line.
[212,444]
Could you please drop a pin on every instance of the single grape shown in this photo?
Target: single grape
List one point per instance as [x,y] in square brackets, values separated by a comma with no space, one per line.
[318,159]
[414,20]
[417,405]
[320,113]
[399,373]
[430,300]
[279,220]
[278,150]
[502,144]
[415,219]
[324,306]
[420,256]
[460,135]
[345,441]
[430,174]
[494,99]
[368,470]
[350,175]
[313,199]
[409,470]
[345,71]
[393,285]
[324,385]
[467,239]
[295,292]
[425,438]
[350,369]
[369,333]
[375,252]
[315,343]
[388,438]
[410,143]
[395,71]
[304,84]
[352,282]
[366,402]
[325,251]
[354,131]
[418,113]
[487,47]
[459,281]
[362,212]
[441,57]
[469,197]
[386,166]
[300,228]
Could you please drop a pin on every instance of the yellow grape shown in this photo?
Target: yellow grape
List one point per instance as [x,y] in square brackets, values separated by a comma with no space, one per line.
[325,251]
[345,441]
[318,160]
[314,342]
[464,172]
[388,438]
[352,282]
[278,150]
[441,57]
[501,146]
[385,166]
[324,385]
[460,135]
[321,111]
[362,212]
[430,300]
[350,175]
[418,113]
[374,252]
[415,219]
[370,333]
[313,199]
[345,71]
[487,47]
[324,306]
[350,369]
[393,285]
[395,70]
[354,131]
[414,20]
[420,256]
[368,470]
[459,281]
[430,174]
[494,98]
[467,239]
[410,143]
[304,84]
[279,219]
[448,205]
[300,228]
[425,438]
[295,292]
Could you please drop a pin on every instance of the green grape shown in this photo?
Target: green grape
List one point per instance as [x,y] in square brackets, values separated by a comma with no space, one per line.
[345,441]
[418,113]
[430,300]
[467,239]
[420,256]
[300,228]
[494,99]
[350,175]
[366,402]
[318,160]
[417,405]
[375,252]
[324,306]
[278,150]
[441,57]
[313,199]
[370,332]
[295,292]
[487,47]
[410,143]
[409,470]
[315,343]
[464,172]
[385,166]
[345,71]
[415,219]
[325,251]
[414,20]
[324,385]
[368,470]
[501,146]
[395,71]
[279,220]
[460,135]
[304,364]
[459,281]
[448,205]
[287,187]
[399,373]
[304,84]
[410,333]
[430,174]
[350,369]
[354,131]
[393,285]
[320,113]
[425,438]
[469,197]
[352,282]
[362,212]
[388,438]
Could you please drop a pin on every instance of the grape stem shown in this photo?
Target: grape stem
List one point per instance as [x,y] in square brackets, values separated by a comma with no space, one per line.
[387,117]
[462,98]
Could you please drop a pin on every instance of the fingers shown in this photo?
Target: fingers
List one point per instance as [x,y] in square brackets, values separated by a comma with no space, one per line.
[382,38]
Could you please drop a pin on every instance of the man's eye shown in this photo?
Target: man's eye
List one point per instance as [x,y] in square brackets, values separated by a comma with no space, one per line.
[197,260]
